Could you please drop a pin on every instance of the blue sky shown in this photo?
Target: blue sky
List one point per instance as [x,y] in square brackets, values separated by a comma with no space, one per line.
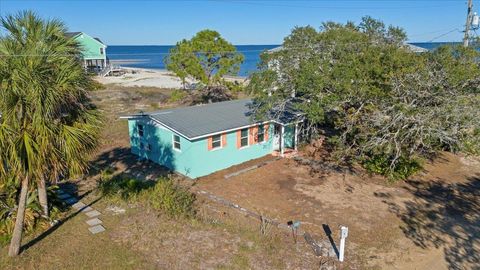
[158,22]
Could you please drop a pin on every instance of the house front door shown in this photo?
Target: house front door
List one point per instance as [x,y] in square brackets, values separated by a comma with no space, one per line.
[276,137]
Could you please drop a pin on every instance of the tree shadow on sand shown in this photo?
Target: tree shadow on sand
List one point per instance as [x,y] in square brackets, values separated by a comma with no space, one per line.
[119,159]
[443,215]
[123,160]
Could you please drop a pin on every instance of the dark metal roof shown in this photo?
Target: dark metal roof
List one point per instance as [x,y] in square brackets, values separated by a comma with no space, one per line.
[97,39]
[201,120]
[72,34]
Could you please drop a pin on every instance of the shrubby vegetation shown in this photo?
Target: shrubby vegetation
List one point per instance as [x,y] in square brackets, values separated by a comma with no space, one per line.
[34,216]
[207,58]
[389,107]
[178,95]
[164,194]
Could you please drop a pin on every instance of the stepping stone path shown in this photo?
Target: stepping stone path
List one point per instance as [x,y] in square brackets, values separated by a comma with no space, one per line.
[96,229]
[94,222]
[93,213]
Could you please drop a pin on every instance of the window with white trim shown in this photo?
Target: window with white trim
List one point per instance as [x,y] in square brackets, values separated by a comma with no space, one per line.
[261,134]
[244,137]
[140,130]
[176,142]
[216,141]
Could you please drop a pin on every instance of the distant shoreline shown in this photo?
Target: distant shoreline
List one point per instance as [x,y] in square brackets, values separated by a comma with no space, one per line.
[148,77]
[153,57]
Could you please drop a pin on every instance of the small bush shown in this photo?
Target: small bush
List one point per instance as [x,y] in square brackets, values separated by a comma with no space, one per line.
[164,194]
[380,164]
[174,199]
[95,85]
[178,95]
[9,193]
[121,187]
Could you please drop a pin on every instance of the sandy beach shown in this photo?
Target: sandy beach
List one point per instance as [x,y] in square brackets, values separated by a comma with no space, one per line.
[139,77]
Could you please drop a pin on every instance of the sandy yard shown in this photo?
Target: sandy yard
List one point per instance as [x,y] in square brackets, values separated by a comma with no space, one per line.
[138,77]
[422,223]
[429,222]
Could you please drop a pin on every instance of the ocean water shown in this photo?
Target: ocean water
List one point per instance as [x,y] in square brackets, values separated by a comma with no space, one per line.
[152,57]
[433,45]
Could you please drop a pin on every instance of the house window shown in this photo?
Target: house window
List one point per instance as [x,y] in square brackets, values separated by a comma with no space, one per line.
[140,130]
[216,141]
[176,142]
[101,50]
[261,134]
[244,137]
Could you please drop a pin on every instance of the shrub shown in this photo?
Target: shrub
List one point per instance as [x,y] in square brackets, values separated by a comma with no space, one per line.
[174,199]
[122,187]
[380,164]
[95,85]
[33,212]
[164,194]
[177,95]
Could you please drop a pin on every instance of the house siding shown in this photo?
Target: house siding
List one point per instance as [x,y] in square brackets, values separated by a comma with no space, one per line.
[289,136]
[90,47]
[214,160]
[194,159]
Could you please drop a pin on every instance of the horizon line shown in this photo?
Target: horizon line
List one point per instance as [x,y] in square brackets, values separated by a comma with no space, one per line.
[269,44]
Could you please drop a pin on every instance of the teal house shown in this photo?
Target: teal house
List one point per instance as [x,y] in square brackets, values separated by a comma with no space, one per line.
[199,140]
[93,51]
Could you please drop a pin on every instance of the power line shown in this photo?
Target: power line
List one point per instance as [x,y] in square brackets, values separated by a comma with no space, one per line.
[430,32]
[444,34]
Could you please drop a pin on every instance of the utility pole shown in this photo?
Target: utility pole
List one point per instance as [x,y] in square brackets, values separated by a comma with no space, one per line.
[468,24]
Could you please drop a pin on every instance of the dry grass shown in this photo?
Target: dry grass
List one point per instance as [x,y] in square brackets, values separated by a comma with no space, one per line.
[143,238]
[72,246]
[381,217]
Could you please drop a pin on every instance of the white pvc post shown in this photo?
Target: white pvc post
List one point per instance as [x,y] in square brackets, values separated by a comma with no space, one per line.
[343,236]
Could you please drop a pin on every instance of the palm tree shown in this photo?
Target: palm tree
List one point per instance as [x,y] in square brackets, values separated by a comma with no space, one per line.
[47,125]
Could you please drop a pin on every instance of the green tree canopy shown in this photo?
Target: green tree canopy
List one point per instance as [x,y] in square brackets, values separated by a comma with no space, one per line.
[387,104]
[207,57]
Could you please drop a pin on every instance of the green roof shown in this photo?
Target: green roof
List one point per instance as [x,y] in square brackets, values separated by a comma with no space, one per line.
[203,120]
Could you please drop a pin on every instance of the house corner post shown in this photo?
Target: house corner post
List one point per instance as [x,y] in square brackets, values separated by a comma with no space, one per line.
[296,137]
[282,141]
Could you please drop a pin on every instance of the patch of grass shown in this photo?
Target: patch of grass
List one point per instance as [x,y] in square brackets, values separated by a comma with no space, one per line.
[95,85]
[71,246]
[120,187]
[174,199]
[178,95]
[404,168]
[164,194]
[269,243]
[155,105]
[240,261]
